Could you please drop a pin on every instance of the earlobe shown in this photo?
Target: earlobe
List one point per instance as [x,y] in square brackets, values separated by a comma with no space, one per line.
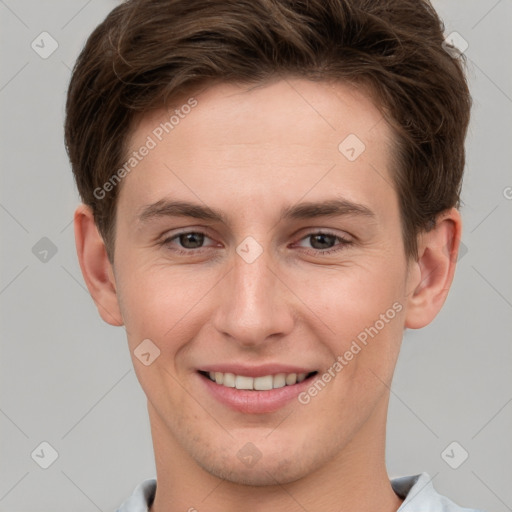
[95,265]
[431,276]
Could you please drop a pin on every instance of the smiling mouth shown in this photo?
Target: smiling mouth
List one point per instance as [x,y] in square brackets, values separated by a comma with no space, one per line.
[263,383]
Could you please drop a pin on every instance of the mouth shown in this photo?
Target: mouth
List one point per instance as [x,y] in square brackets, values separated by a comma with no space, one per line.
[261,394]
[262,383]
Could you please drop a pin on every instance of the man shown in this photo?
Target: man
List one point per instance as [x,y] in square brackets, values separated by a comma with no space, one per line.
[269,199]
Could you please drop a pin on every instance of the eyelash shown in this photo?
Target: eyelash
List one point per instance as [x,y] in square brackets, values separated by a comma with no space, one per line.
[343,242]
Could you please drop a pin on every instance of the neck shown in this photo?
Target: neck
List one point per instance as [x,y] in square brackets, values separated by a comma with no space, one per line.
[354,480]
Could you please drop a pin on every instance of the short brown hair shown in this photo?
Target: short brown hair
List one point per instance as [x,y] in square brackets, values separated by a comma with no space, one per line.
[147,52]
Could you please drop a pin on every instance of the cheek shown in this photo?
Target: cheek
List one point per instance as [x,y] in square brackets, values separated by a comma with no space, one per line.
[348,299]
[159,301]
[363,309]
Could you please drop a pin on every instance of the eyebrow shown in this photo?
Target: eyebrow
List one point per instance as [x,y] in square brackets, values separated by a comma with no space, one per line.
[306,210]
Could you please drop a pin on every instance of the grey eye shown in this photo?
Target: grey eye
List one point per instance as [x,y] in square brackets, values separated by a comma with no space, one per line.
[322,241]
[191,240]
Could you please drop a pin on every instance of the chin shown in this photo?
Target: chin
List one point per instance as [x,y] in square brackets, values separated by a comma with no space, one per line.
[261,474]
[276,465]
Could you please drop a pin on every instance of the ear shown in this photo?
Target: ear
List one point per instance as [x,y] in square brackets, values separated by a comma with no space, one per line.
[95,265]
[431,276]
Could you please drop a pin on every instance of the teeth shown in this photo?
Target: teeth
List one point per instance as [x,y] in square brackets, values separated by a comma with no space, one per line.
[264,383]
[291,378]
[229,380]
[242,382]
[279,381]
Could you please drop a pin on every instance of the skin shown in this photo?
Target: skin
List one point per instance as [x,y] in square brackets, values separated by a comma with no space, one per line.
[249,152]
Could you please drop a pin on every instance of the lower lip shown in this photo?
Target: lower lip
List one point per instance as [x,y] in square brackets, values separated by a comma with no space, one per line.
[255,402]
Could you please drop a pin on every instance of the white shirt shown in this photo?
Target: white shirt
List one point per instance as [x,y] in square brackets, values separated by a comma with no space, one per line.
[417,492]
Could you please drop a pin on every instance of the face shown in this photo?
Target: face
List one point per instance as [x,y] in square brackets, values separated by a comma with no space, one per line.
[254,249]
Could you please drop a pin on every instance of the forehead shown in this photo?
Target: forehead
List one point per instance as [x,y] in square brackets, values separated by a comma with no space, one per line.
[289,109]
[246,142]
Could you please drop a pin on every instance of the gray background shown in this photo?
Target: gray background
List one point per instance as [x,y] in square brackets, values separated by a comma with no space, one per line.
[67,378]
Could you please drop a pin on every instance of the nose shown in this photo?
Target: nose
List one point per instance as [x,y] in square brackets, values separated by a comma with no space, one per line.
[254,305]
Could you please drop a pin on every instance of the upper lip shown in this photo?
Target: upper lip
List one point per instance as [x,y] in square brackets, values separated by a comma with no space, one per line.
[255,371]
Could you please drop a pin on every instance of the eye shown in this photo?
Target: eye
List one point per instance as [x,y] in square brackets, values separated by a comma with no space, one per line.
[320,242]
[324,243]
[186,243]
[191,240]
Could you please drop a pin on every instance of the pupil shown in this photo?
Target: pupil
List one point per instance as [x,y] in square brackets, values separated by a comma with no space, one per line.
[323,243]
[191,240]
[195,240]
